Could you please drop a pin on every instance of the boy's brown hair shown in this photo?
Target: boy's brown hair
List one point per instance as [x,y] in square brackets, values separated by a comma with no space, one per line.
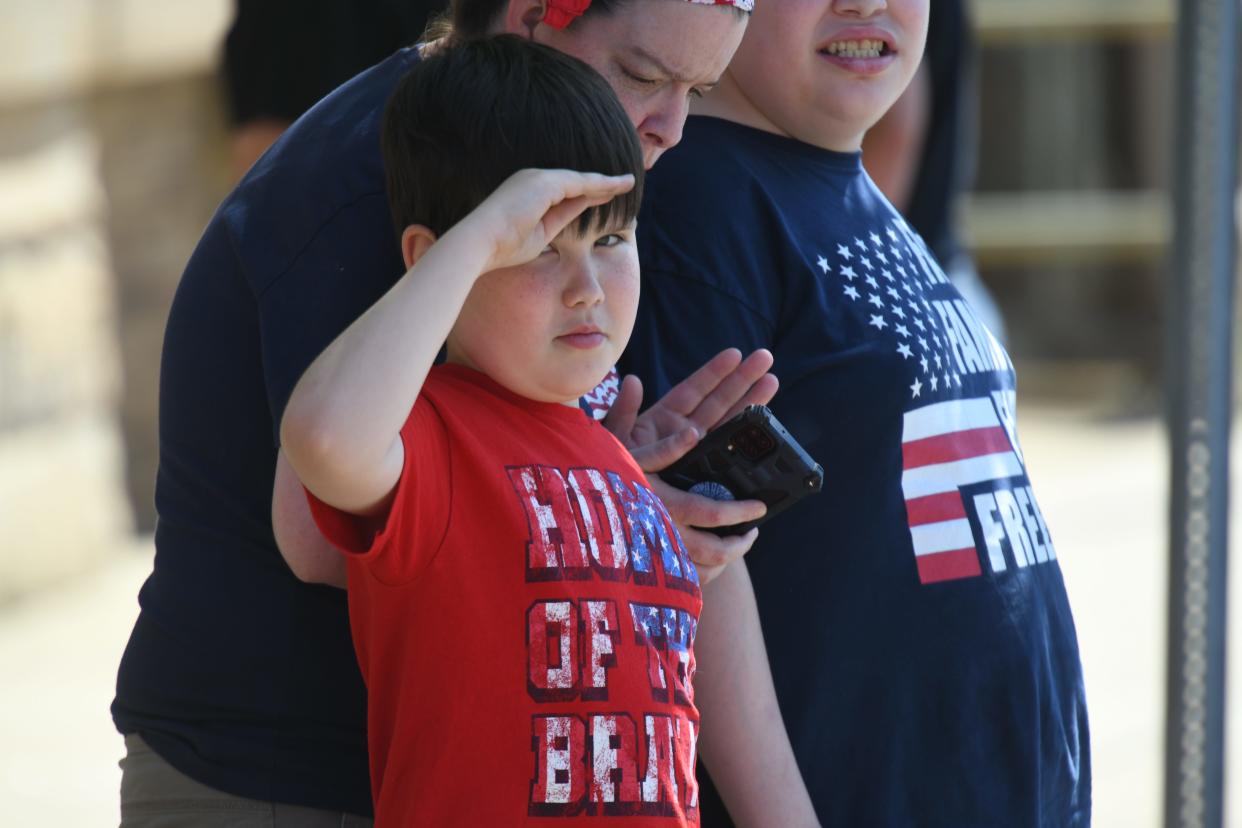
[474,112]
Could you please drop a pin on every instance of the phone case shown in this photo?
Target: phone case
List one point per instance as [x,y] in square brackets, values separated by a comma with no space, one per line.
[750,457]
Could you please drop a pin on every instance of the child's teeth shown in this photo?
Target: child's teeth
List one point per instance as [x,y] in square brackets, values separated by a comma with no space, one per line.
[856,48]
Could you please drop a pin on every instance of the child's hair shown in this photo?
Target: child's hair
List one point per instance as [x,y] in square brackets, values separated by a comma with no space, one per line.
[472,113]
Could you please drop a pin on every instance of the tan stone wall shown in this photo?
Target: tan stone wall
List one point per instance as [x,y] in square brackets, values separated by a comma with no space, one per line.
[110,165]
[60,444]
[163,166]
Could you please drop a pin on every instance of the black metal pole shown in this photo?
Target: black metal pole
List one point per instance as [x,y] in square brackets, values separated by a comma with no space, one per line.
[1200,379]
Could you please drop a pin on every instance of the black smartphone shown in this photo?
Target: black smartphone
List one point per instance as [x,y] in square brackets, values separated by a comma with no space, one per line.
[750,457]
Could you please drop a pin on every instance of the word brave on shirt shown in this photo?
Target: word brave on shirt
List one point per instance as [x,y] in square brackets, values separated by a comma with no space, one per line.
[592,766]
[588,524]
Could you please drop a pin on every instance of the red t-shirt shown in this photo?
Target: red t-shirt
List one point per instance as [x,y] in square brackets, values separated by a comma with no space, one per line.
[524,622]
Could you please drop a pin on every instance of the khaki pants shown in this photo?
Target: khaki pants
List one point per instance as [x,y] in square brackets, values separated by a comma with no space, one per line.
[156,795]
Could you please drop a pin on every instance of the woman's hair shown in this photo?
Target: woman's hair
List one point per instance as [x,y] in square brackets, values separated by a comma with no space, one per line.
[475,18]
[472,113]
[466,19]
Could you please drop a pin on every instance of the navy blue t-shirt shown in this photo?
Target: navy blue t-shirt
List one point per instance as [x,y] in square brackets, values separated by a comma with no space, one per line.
[237,673]
[921,641]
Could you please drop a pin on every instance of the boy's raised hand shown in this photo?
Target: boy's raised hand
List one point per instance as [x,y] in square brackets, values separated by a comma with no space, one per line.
[532,207]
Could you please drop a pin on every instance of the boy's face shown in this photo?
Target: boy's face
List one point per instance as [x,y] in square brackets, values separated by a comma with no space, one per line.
[551,329]
[824,71]
[656,55]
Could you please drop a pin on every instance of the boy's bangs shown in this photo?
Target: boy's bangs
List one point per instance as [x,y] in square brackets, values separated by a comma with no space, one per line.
[573,121]
[473,114]
[615,215]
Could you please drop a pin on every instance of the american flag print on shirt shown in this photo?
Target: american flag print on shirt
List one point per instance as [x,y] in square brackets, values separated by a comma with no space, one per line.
[947,448]
[968,499]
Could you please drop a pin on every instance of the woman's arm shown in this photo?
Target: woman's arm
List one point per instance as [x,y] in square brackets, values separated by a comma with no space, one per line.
[310,555]
[743,740]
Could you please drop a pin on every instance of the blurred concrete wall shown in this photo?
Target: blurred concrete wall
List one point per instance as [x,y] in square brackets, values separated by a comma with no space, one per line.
[111,161]
[163,164]
[60,449]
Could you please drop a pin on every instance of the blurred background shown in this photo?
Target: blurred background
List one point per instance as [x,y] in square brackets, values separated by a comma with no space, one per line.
[116,146]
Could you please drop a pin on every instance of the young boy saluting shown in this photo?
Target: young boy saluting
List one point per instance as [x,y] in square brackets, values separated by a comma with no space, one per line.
[523,609]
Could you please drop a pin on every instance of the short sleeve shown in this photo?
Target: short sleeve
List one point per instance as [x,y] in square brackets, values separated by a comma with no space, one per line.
[395,548]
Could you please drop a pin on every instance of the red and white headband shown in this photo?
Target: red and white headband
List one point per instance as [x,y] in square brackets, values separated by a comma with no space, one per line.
[560,13]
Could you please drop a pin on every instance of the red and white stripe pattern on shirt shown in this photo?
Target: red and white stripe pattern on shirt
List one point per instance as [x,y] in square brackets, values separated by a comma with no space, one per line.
[944,447]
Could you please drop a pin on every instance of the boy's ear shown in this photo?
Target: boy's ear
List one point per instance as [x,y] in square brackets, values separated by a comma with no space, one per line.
[522,16]
[416,240]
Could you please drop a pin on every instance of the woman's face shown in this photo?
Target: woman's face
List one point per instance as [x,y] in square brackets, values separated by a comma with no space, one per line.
[657,55]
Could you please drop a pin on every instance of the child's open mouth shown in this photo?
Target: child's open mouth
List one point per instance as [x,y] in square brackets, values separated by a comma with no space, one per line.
[857,49]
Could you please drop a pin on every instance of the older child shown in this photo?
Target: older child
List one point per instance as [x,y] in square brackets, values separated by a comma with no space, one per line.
[523,608]
[922,644]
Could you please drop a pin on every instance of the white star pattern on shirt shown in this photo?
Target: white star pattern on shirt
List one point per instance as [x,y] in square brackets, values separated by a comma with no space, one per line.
[919,281]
